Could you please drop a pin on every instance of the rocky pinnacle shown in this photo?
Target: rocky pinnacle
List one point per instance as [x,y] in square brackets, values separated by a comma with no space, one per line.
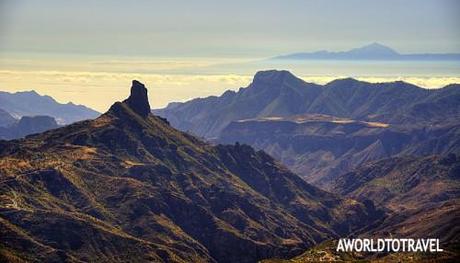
[138,100]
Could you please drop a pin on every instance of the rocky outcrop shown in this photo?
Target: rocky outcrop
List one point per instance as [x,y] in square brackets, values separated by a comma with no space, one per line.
[138,100]
[129,187]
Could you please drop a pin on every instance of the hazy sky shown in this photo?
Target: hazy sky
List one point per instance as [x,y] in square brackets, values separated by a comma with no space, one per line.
[88,52]
[253,28]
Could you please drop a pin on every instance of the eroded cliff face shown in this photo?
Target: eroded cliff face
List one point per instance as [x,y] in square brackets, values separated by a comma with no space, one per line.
[321,148]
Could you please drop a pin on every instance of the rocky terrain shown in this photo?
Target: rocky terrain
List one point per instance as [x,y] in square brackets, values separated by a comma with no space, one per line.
[422,195]
[322,131]
[392,145]
[421,198]
[326,252]
[320,148]
[128,186]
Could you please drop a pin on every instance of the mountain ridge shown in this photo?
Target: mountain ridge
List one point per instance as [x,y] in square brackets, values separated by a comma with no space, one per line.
[279,93]
[321,147]
[18,104]
[26,126]
[373,51]
[129,186]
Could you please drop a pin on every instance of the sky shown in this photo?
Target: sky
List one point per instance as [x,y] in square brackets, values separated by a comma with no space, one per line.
[79,50]
[227,28]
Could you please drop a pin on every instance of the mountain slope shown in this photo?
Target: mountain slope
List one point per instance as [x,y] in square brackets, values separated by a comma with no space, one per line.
[6,119]
[423,194]
[30,103]
[28,125]
[320,148]
[129,186]
[270,93]
[279,93]
[326,252]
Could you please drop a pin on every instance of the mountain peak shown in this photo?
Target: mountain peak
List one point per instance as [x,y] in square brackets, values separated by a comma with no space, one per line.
[138,100]
[376,45]
[273,76]
[375,49]
[343,82]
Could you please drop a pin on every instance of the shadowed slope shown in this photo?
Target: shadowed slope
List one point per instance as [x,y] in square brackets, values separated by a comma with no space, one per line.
[6,119]
[422,193]
[129,186]
[320,148]
[27,125]
[279,93]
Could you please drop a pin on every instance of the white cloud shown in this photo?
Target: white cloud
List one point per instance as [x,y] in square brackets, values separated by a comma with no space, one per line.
[100,89]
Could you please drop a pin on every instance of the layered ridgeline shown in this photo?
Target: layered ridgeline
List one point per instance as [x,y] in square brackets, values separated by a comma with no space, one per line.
[11,128]
[128,186]
[25,113]
[30,103]
[320,148]
[26,126]
[323,131]
[280,94]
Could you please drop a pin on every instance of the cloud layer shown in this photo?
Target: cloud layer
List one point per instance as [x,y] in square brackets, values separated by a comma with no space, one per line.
[99,90]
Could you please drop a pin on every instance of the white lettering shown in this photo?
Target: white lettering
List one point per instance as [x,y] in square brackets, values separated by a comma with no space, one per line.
[388,244]
[340,246]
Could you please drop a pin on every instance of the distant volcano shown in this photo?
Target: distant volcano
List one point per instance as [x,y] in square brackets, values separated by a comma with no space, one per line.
[374,51]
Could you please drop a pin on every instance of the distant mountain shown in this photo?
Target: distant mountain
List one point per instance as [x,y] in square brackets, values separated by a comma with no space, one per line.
[270,92]
[28,125]
[127,186]
[321,147]
[30,103]
[6,119]
[374,51]
[279,93]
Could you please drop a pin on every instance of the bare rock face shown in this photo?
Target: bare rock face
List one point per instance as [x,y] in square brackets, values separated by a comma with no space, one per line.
[138,100]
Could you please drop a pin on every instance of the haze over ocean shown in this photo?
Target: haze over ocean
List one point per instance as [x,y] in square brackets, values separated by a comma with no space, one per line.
[98,81]
[183,51]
